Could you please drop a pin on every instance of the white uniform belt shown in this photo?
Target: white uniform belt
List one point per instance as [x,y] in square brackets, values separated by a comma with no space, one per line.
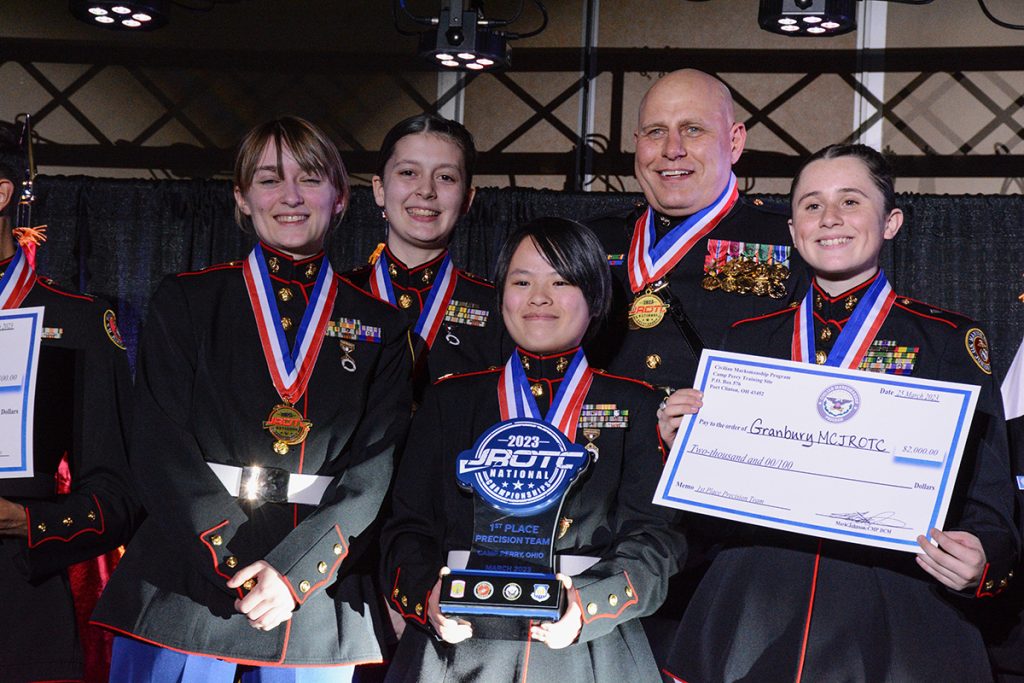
[570,565]
[271,484]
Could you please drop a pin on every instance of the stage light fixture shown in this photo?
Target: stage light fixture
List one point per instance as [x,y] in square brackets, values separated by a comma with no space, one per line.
[808,17]
[462,39]
[121,15]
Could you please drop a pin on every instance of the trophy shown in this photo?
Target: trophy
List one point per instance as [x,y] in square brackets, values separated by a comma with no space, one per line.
[519,472]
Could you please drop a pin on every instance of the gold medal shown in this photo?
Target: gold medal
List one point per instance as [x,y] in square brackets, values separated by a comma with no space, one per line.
[287,425]
[777,290]
[729,284]
[710,283]
[647,311]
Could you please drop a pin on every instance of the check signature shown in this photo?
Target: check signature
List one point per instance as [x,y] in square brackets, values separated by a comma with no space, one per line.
[879,519]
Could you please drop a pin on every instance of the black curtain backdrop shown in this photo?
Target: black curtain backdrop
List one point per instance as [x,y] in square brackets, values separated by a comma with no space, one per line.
[118,238]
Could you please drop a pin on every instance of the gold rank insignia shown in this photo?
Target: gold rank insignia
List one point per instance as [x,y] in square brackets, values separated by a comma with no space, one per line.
[977,347]
[647,310]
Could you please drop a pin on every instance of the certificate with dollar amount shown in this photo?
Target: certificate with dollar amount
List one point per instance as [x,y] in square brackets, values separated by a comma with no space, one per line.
[20,330]
[843,454]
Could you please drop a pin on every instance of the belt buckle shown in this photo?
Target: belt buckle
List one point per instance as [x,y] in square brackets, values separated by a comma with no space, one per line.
[264,484]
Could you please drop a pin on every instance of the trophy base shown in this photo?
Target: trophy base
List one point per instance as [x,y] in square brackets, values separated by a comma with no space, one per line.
[501,605]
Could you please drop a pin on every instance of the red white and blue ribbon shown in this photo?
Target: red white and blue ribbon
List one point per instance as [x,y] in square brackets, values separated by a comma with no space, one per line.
[515,399]
[436,305]
[18,279]
[858,333]
[650,259]
[290,368]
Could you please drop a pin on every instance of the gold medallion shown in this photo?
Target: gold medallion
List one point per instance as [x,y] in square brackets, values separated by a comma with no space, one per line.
[777,290]
[287,425]
[729,284]
[647,311]
[710,283]
[405,301]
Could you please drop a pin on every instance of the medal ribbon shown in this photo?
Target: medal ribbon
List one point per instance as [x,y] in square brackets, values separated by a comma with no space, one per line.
[436,304]
[650,260]
[858,333]
[290,369]
[515,399]
[19,276]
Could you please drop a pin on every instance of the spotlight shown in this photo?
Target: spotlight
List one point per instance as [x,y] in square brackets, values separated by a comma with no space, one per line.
[121,15]
[463,32]
[807,17]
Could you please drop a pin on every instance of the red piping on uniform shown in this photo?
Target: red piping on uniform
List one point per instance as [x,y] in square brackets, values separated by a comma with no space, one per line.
[228,658]
[84,297]
[526,655]
[421,619]
[981,593]
[100,531]
[609,615]
[672,676]
[213,554]
[299,600]
[929,317]
[766,315]
[810,610]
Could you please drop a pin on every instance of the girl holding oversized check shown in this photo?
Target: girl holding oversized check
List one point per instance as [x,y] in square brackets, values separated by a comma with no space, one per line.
[838,600]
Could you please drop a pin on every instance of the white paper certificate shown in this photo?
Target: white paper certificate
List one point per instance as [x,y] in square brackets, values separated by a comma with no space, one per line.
[20,331]
[849,455]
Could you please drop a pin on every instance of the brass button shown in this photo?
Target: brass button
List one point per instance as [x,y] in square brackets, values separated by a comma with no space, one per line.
[248,585]
[394,593]
[1002,583]
[629,591]
[304,586]
[284,294]
[537,390]
[405,601]
[274,264]
[321,567]
[67,521]
[419,609]
[91,516]
[613,599]
[311,270]
[592,608]
[653,361]
[1009,574]
[525,361]
[820,357]
[41,526]
[392,270]
[989,584]
[337,549]
[286,323]
[428,273]
[231,561]
[216,539]
[405,301]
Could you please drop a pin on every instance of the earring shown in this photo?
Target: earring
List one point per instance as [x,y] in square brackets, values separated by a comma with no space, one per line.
[384,215]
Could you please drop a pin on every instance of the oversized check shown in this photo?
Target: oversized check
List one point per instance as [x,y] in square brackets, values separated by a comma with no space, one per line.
[843,454]
[20,331]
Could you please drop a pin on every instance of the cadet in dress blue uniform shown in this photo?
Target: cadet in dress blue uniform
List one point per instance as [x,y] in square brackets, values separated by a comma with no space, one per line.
[554,286]
[776,606]
[80,413]
[424,184]
[271,393]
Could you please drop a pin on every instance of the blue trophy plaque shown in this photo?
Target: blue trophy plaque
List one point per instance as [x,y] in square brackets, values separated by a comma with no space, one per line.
[519,471]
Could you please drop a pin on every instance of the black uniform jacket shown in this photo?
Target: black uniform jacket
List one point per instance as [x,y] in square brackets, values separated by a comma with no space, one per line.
[609,515]
[82,391]
[663,355]
[203,391]
[776,606]
[471,336]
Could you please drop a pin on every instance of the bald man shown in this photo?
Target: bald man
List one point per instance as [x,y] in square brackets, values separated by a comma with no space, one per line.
[690,261]
[696,256]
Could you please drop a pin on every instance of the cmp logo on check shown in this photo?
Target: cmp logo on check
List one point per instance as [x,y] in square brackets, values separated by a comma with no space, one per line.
[838,403]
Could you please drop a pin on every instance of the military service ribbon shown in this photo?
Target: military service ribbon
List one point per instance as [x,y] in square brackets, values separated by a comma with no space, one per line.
[858,333]
[516,401]
[651,259]
[17,280]
[436,305]
[290,368]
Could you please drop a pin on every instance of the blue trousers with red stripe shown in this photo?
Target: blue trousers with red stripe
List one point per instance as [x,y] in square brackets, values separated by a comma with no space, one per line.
[133,661]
